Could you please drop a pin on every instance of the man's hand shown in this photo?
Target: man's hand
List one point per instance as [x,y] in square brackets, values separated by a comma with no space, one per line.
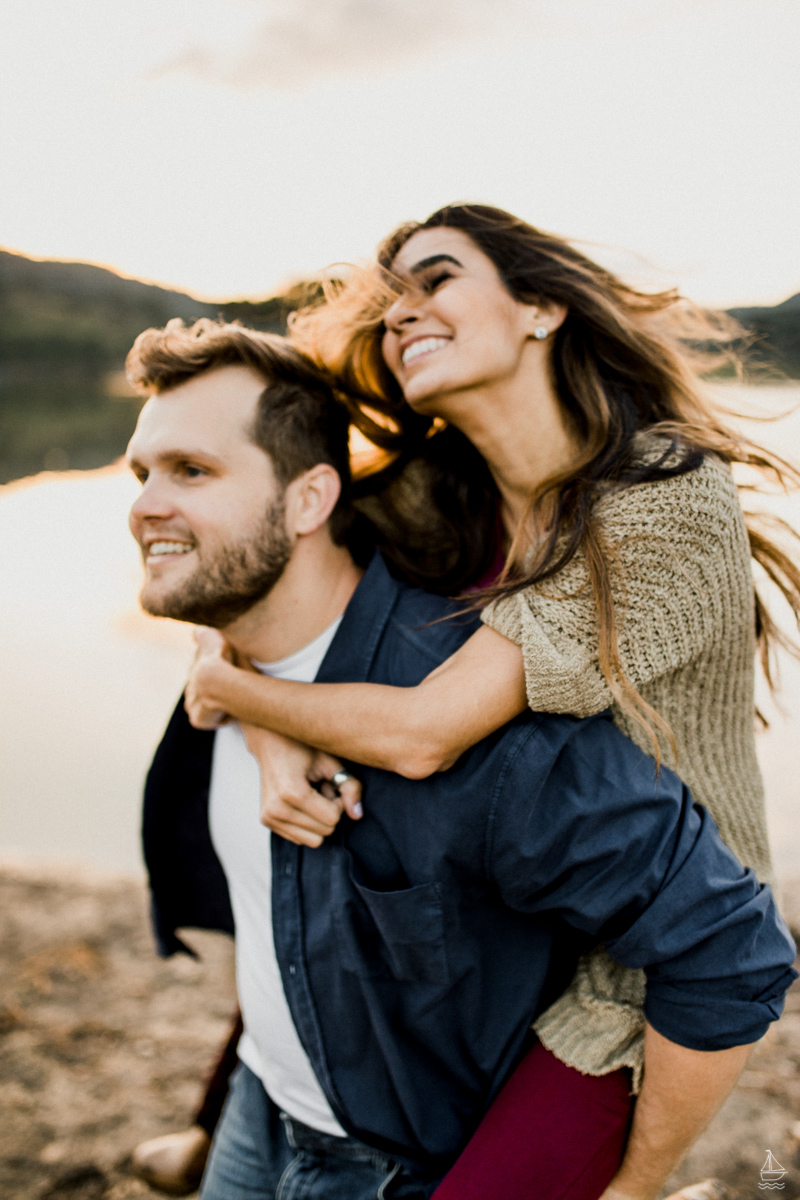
[709,1189]
[212,651]
[681,1092]
[290,806]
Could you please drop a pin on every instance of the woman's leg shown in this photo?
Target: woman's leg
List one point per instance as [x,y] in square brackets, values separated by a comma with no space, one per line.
[551,1132]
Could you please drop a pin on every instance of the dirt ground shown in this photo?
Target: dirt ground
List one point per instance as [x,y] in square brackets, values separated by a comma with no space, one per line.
[103,1045]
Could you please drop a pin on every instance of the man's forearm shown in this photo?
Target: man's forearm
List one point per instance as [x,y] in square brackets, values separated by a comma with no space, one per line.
[681,1092]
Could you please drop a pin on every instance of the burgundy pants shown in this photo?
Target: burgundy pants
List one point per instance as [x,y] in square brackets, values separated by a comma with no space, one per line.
[551,1134]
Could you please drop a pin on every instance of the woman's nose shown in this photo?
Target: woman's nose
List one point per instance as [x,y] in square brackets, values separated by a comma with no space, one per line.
[404,311]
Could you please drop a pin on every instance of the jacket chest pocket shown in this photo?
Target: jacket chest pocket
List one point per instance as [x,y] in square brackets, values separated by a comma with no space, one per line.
[396,935]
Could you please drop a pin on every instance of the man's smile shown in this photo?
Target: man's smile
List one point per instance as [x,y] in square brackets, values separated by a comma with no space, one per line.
[164,550]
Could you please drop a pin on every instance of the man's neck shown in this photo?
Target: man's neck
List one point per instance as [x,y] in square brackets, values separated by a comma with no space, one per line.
[313,591]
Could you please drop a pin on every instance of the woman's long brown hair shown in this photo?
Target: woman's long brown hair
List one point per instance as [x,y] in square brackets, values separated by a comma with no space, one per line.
[623,362]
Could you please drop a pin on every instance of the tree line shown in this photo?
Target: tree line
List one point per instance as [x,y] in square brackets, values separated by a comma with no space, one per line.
[65,329]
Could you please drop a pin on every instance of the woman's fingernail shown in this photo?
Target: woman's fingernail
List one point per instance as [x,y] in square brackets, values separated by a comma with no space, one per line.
[358,809]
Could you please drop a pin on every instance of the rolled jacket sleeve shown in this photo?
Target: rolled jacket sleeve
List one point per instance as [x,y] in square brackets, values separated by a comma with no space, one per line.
[624,855]
[713,945]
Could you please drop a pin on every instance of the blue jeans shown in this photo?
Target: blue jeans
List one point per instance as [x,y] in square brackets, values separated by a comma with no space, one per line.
[260,1153]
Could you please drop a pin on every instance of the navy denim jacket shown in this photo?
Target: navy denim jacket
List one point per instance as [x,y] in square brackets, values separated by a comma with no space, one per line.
[417,945]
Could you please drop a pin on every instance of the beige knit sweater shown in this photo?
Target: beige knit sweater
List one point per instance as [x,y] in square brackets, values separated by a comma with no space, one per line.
[683,587]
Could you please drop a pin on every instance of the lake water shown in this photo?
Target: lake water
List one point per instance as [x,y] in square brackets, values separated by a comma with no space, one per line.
[88,681]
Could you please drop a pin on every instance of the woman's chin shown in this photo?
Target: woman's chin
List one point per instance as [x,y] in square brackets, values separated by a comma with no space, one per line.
[422,393]
[439,399]
[420,404]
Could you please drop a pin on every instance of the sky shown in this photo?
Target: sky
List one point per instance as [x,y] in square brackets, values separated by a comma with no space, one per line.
[226,147]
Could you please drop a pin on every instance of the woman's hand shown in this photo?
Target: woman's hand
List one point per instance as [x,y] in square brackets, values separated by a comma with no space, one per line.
[213,654]
[290,806]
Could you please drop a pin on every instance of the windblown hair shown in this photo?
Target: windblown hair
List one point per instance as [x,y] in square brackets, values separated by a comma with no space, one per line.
[623,362]
[300,421]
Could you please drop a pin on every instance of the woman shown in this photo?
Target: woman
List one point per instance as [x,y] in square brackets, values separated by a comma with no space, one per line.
[514,378]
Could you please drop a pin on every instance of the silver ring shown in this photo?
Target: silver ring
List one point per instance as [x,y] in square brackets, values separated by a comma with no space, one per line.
[341,777]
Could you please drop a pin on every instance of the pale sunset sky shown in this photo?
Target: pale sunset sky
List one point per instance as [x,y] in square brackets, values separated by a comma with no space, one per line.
[227,146]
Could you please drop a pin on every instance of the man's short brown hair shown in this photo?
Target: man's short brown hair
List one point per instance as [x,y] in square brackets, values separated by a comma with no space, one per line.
[299,422]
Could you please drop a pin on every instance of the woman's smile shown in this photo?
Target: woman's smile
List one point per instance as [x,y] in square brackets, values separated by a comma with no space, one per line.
[421,347]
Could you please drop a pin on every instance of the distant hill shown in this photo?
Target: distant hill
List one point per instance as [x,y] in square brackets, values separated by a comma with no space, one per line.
[66,327]
[777,332]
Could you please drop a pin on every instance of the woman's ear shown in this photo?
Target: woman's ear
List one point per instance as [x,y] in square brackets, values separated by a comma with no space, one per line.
[311,498]
[545,318]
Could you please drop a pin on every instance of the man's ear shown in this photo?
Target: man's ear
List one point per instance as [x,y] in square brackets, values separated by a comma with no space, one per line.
[311,498]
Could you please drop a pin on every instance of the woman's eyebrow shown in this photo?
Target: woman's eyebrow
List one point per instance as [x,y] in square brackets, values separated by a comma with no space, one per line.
[434,258]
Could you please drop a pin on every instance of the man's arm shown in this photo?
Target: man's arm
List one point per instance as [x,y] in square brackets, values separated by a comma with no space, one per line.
[626,857]
[682,1090]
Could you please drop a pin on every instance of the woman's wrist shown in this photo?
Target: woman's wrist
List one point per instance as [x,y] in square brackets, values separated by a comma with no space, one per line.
[244,694]
[220,683]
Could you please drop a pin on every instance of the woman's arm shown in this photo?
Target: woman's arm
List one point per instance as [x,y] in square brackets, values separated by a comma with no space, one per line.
[681,550]
[412,731]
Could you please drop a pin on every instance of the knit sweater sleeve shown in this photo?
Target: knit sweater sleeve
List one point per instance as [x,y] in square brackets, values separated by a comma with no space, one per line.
[675,546]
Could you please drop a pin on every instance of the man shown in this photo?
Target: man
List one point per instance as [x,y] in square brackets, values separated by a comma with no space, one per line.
[389,978]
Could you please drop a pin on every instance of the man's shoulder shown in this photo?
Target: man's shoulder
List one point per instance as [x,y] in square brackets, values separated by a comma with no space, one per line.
[593,768]
[394,633]
[427,626]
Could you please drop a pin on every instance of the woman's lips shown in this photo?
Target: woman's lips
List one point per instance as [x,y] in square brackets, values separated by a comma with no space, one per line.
[422,346]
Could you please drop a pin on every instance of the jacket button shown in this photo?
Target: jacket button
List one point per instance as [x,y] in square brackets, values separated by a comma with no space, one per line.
[291,968]
[288,868]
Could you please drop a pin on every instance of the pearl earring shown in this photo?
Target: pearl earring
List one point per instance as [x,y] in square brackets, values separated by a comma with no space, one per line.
[541,332]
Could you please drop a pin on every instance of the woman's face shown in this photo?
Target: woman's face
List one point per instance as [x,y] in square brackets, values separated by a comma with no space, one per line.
[454,326]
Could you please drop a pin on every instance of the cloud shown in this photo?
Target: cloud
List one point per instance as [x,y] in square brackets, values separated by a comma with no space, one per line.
[290,42]
[294,41]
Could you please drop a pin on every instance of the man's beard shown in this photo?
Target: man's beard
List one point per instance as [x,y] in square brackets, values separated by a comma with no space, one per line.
[228,585]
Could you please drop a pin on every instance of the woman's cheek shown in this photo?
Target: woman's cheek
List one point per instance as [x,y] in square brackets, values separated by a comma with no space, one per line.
[391,355]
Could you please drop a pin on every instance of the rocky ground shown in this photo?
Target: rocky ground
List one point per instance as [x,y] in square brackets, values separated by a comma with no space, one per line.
[103,1045]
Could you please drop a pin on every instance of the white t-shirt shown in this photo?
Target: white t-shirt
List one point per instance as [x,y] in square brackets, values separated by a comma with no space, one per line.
[269,1046]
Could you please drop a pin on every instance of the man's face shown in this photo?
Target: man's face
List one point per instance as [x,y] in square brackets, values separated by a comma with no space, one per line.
[210,519]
